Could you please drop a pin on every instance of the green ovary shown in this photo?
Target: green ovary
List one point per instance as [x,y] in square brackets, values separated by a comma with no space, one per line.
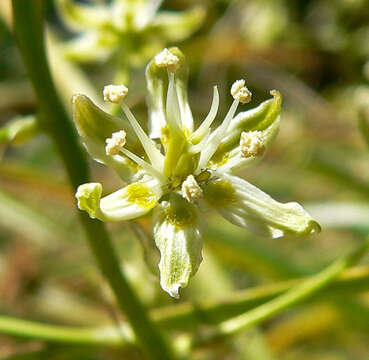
[141,195]
[180,213]
[220,194]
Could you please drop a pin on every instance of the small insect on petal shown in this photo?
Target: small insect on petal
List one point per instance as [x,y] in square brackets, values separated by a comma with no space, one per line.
[191,190]
[240,92]
[115,143]
[252,144]
[115,93]
[167,59]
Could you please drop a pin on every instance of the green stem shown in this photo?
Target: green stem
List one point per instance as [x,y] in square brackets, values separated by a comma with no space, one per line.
[292,297]
[59,334]
[364,126]
[184,316]
[29,29]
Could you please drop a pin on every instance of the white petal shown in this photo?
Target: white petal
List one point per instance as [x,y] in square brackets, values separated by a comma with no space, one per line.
[245,205]
[178,237]
[133,201]
[236,162]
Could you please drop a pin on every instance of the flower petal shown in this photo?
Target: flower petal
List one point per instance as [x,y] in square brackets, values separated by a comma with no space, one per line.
[178,237]
[178,26]
[245,205]
[236,162]
[80,17]
[132,201]
[95,126]
[264,118]
[89,47]
[157,85]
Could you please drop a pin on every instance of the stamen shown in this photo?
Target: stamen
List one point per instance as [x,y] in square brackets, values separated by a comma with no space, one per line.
[240,92]
[252,144]
[115,143]
[204,127]
[155,156]
[172,106]
[167,59]
[191,190]
[115,93]
[146,166]
[216,137]
[194,149]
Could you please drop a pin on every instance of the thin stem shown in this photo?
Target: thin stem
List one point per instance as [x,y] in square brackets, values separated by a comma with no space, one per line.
[184,316]
[60,334]
[364,126]
[292,297]
[29,29]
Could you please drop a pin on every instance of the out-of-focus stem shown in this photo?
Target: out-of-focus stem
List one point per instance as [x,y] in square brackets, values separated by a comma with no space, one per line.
[29,29]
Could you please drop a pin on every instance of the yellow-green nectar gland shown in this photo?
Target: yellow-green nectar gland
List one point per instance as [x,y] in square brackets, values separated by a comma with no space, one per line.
[141,195]
[252,144]
[181,214]
[220,194]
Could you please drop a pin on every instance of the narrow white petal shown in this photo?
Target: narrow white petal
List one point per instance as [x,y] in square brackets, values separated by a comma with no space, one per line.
[245,205]
[145,16]
[132,201]
[236,161]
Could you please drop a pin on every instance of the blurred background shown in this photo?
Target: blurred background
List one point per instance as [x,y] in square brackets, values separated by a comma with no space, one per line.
[316,53]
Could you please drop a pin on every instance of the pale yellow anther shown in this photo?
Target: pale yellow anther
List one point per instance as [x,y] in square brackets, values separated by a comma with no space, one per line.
[240,92]
[167,59]
[115,143]
[252,144]
[191,190]
[115,93]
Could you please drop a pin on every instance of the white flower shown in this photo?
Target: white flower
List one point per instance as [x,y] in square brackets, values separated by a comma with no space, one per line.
[178,167]
[105,29]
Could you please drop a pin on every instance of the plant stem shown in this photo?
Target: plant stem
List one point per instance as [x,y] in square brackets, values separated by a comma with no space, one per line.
[60,334]
[292,297]
[29,29]
[184,316]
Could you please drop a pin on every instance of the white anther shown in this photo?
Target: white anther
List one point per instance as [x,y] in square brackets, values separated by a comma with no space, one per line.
[240,92]
[115,143]
[191,190]
[115,93]
[167,59]
[252,143]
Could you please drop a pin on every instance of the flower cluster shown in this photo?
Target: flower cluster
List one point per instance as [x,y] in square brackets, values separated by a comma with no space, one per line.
[178,170]
[130,31]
